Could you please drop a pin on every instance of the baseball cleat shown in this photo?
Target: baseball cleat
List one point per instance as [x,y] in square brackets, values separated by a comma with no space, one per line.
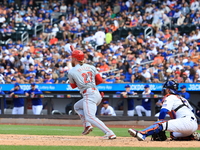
[136,134]
[196,136]
[109,137]
[87,130]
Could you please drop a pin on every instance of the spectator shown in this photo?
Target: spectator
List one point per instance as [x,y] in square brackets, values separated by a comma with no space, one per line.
[83,21]
[53,40]
[180,20]
[100,37]
[104,66]
[48,79]
[146,103]
[183,92]
[196,77]
[111,79]
[107,110]
[146,74]
[109,36]
[194,5]
[185,9]
[185,77]
[139,78]
[187,19]
[62,78]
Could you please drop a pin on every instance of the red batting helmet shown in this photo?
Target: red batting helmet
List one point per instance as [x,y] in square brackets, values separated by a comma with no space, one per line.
[79,55]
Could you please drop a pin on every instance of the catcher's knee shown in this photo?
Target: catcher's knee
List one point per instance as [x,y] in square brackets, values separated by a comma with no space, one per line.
[164,124]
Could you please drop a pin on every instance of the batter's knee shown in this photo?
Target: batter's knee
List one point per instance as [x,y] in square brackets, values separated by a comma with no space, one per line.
[76,107]
[89,118]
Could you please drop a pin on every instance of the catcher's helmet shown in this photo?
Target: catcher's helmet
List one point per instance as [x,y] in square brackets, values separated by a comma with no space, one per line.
[79,55]
[172,85]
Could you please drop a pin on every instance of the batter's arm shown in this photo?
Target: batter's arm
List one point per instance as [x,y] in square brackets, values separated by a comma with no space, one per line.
[98,79]
[71,81]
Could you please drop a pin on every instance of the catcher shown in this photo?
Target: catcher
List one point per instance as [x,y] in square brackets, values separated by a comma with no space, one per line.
[183,123]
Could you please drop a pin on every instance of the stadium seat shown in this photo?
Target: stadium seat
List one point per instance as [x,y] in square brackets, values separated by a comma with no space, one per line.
[187,28]
[16,35]
[193,27]
[137,31]
[93,28]
[123,32]
[59,35]
[116,35]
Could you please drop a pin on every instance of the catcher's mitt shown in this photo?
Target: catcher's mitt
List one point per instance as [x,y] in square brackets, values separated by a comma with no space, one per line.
[159,136]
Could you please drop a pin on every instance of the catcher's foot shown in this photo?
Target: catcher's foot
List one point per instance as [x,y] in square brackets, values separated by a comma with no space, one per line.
[87,130]
[136,134]
[196,136]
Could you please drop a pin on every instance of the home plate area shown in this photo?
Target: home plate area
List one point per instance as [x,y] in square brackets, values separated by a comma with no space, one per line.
[8,139]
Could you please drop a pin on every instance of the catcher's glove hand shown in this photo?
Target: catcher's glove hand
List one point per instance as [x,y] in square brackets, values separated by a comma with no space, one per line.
[159,136]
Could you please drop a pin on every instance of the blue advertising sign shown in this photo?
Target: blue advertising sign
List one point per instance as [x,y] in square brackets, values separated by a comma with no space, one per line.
[101,87]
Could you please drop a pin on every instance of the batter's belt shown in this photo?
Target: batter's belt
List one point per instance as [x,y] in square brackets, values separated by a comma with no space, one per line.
[86,90]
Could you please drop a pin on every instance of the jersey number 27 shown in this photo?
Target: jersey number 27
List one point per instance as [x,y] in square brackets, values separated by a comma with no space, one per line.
[87,77]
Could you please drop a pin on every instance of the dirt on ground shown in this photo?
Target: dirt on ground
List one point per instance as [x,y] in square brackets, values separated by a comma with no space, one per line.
[41,140]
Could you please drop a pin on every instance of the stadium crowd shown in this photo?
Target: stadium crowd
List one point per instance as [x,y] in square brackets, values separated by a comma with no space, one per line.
[45,58]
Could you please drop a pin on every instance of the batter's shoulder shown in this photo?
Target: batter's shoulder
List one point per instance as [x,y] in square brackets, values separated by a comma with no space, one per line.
[90,66]
[71,71]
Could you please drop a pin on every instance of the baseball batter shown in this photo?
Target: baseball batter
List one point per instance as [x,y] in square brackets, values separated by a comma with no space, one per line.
[86,77]
[36,102]
[183,123]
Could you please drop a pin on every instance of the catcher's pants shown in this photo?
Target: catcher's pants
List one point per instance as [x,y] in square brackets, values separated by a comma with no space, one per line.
[18,110]
[181,127]
[139,109]
[86,108]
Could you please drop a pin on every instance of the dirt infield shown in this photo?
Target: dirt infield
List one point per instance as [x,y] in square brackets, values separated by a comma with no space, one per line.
[40,140]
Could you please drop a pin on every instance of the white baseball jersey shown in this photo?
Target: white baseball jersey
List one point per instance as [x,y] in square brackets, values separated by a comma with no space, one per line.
[172,102]
[83,76]
[108,111]
[100,37]
[185,123]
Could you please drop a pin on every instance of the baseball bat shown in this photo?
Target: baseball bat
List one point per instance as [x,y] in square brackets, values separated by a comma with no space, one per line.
[72,48]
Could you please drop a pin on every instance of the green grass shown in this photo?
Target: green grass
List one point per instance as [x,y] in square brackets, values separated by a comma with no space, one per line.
[57,130]
[86,148]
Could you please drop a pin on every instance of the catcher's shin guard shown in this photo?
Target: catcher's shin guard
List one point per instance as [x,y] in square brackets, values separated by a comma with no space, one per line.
[155,128]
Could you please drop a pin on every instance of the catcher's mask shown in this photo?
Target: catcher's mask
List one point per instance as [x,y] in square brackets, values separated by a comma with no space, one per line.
[171,85]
